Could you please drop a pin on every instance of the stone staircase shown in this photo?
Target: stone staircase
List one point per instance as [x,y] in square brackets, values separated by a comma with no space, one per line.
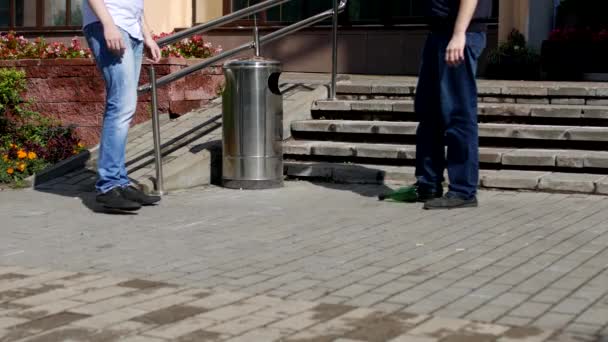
[533,135]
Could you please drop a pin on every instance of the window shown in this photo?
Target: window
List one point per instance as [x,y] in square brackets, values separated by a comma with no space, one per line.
[384,12]
[25,13]
[4,13]
[37,14]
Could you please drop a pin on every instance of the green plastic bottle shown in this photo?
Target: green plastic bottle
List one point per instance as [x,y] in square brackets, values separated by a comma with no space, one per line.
[407,194]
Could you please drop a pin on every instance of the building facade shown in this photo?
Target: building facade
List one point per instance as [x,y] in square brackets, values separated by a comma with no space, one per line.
[376,37]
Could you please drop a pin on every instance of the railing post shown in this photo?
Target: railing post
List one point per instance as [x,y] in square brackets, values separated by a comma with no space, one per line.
[256,35]
[334,53]
[160,189]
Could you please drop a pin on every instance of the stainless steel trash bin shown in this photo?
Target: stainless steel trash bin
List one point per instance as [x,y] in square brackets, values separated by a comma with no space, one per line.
[252,124]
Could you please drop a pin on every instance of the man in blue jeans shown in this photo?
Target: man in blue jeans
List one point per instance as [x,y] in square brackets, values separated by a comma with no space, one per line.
[117,32]
[446,103]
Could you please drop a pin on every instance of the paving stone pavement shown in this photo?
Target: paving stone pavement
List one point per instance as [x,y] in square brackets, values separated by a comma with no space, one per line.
[520,260]
[52,306]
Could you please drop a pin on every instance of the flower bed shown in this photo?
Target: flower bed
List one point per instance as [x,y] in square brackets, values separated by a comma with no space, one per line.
[17,47]
[64,84]
[29,142]
[195,47]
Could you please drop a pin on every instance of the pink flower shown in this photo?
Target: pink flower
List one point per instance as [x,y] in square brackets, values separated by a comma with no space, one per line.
[13,47]
[75,43]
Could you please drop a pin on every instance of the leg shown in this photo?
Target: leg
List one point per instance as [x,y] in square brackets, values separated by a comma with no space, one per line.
[459,109]
[430,151]
[137,47]
[121,101]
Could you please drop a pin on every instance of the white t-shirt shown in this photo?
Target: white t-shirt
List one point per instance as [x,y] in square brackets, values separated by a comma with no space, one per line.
[127,14]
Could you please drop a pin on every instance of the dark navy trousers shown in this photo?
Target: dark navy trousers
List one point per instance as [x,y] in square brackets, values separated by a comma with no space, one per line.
[446,107]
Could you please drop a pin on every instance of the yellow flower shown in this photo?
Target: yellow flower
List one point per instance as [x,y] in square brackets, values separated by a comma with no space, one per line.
[31,155]
[21,167]
[10,170]
[5,157]
[21,154]
[80,144]
[13,146]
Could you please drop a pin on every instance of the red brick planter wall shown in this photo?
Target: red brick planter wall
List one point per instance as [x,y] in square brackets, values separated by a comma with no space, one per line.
[72,91]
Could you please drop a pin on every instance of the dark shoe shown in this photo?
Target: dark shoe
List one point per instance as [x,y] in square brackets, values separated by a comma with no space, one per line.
[427,195]
[450,201]
[114,199]
[133,194]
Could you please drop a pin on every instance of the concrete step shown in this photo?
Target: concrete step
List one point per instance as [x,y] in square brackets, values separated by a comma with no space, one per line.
[502,179]
[388,85]
[405,86]
[497,157]
[191,150]
[485,109]
[486,130]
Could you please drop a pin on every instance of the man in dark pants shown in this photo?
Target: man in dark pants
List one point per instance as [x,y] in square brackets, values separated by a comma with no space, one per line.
[446,104]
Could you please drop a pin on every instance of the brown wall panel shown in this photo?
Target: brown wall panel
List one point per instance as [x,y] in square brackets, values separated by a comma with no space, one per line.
[374,51]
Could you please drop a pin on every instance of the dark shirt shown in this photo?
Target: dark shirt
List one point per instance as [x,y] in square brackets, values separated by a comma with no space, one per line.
[443,14]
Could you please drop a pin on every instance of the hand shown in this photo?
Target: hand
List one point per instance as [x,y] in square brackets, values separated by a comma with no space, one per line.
[454,54]
[153,50]
[114,39]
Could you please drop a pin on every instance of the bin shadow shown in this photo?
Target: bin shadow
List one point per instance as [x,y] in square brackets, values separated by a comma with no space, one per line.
[361,180]
[364,190]
[214,148]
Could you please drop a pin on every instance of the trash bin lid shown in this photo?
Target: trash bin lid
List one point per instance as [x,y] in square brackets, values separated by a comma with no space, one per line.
[251,63]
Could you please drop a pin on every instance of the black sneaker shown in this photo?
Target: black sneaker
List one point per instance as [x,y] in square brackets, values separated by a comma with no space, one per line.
[114,199]
[412,194]
[134,194]
[450,201]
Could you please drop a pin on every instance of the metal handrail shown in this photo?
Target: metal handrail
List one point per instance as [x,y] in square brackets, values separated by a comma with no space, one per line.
[214,23]
[251,45]
[338,7]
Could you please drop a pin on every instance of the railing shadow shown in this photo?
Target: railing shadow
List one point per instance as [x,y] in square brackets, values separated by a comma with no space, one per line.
[81,182]
[176,143]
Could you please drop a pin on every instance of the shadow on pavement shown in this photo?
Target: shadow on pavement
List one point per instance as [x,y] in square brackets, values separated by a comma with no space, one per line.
[80,182]
[365,190]
[363,181]
[83,189]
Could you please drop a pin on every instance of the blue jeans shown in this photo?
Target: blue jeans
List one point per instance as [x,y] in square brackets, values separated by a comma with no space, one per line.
[446,107]
[121,76]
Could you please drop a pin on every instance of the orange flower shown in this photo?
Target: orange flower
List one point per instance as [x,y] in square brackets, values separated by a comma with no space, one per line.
[31,155]
[10,170]
[21,167]
[21,154]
